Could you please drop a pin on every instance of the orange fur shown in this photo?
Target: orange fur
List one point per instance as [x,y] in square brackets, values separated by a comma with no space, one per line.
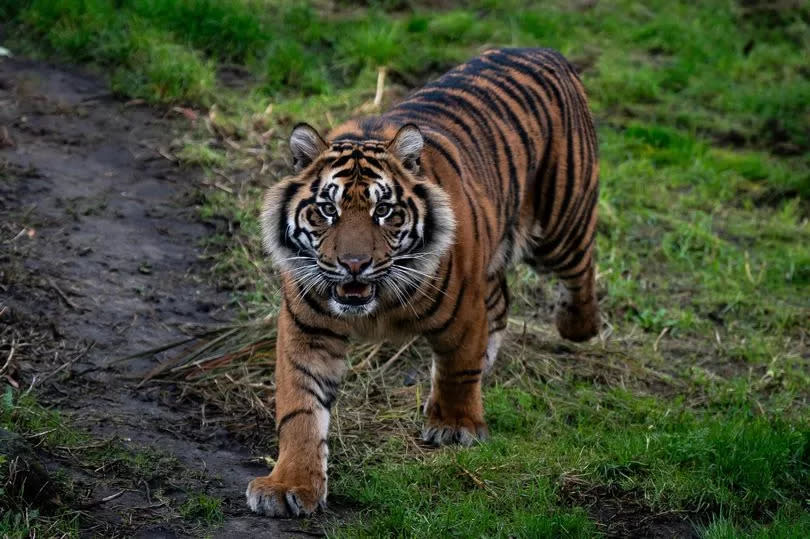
[405,224]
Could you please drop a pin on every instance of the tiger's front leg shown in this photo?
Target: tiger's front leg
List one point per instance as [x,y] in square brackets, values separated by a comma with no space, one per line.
[309,366]
[455,409]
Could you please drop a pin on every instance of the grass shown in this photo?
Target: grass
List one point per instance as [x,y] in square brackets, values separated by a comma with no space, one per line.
[691,409]
[204,509]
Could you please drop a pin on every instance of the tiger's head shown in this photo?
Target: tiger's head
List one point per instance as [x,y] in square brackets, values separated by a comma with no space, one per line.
[357,224]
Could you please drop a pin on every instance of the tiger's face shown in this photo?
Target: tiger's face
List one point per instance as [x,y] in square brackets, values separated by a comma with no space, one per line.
[356,224]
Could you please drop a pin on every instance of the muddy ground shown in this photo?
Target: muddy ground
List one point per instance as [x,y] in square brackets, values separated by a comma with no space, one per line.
[100,258]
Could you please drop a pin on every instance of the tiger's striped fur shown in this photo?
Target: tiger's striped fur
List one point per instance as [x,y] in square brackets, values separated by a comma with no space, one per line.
[405,224]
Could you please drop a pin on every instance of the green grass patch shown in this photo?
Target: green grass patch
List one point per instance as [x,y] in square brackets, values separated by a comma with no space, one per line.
[203,509]
[25,524]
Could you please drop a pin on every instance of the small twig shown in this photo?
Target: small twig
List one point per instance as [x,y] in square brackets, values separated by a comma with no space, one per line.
[378,96]
[68,363]
[102,443]
[101,501]
[43,433]
[8,359]
[148,507]
[364,364]
[165,154]
[660,336]
[18,236]
[153,351]
[476,480]
[63,295]
[395,356]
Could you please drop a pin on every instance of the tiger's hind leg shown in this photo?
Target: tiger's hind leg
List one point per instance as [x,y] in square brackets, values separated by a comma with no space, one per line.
[577,311]
[497,304]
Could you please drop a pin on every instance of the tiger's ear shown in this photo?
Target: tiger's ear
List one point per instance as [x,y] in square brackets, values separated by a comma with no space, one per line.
[407,146]
[305,144]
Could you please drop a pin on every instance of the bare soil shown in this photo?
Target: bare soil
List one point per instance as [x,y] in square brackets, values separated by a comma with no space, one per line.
[100,259]
[624,514]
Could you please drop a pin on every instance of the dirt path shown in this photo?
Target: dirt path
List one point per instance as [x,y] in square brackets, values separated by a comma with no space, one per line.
[99,246]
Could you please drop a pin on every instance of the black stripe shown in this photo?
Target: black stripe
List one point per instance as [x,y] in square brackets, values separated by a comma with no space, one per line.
[312,330]
[327,386]
[533,71]
[571,169]
[290,415]
[466,372]
[542,176]
[526,99]
[578,255]
[476,112]
[286,197]
[574,218]
[350,137]
[501,314]
[432,110]
[574,276]
[372,161]
[369,173]
[315,306]
[325,402]
[445,154]
[340,161]
[574,224]
[429,223]
[343,173]
[439,296]
[493,298]
[452,317]
[489,99]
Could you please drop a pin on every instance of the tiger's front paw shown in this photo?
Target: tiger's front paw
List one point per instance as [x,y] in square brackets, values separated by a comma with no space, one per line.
[464,431]
[273,498]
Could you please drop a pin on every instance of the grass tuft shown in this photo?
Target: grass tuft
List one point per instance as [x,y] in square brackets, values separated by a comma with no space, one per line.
[203,509]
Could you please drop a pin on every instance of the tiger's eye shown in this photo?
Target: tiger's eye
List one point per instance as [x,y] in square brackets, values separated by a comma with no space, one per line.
[382,210]
[328,209]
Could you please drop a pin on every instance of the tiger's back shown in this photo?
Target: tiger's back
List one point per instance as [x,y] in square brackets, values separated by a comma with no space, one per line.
[509,135]
[405,224]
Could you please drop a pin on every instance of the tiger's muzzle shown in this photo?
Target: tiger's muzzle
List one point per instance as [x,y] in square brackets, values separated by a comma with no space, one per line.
[354,293]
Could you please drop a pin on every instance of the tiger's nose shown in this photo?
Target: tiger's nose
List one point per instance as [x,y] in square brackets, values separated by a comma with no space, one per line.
[356,264]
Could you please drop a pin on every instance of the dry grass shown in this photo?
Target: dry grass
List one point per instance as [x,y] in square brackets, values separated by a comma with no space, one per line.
[230,370]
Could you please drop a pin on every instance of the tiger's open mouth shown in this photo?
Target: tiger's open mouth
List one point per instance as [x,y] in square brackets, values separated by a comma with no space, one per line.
[354,293]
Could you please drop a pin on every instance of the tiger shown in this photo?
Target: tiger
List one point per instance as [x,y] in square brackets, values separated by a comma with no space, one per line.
[404,224]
